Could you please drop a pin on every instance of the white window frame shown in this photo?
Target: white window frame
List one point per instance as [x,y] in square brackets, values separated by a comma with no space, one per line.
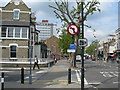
[20,32]
[14,14]
[13,37]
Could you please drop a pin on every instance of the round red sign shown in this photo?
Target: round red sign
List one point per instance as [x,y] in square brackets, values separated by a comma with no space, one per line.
[72,29]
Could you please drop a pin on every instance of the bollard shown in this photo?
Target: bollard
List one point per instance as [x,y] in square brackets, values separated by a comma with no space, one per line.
[69,76]
[2,81]
[22,75]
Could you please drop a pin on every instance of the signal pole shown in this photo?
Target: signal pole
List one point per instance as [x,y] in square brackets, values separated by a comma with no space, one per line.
[82,67]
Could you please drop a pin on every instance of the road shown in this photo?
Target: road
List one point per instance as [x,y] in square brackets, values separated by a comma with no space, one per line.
[97,75]
[101,74]
[15,75]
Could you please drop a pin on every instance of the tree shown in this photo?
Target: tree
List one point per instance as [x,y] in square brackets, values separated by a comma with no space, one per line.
[72,15]
[93,46]
[64,41]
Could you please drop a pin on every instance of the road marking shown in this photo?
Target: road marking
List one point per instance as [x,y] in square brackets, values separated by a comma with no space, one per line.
[108,74]
[79,76]
[41,72]
[28,77]
[95,83]
[114,74]
[115,82]
[103,74]
[34,75]
[5,71]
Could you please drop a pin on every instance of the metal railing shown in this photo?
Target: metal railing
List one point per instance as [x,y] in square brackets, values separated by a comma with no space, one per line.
[24,59]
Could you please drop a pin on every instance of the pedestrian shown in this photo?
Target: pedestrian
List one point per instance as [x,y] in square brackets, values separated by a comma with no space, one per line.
[55,59]
[35,62]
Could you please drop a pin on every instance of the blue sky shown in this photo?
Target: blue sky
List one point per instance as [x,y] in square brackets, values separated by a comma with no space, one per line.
[104,22]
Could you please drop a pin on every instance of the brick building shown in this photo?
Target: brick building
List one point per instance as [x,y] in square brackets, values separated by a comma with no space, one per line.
[15,28]
[52,44]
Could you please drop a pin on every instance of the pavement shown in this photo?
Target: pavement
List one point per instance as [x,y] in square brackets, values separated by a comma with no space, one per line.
[55,77]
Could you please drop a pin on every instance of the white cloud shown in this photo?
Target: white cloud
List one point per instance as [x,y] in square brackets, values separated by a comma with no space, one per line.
[91,36]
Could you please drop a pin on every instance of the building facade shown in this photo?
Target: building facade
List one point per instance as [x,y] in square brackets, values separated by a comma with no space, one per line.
[118,38]
[53,47]
[107,45]
[15,30]
[118,44]
[46,30]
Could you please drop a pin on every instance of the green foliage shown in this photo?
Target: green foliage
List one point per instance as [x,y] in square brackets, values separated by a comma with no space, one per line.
[91,49]
[65,41]
[79,50]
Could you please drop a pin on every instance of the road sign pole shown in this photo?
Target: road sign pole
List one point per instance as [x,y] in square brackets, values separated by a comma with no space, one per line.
[82,68]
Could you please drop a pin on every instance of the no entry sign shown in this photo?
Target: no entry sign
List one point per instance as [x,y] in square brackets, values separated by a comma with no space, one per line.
[72,29]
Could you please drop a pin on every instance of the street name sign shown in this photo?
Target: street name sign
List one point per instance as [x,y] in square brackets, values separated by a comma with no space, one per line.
[72,29]
[70,50]
[72,46]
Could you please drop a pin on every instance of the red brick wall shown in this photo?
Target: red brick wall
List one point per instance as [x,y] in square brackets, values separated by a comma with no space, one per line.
[52,43]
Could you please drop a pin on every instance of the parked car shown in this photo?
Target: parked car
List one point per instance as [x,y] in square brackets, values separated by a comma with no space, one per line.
[78,58]
[93,58]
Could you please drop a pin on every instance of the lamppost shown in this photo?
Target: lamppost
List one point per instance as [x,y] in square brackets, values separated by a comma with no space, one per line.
[32,23]
[30,50]
[30,56]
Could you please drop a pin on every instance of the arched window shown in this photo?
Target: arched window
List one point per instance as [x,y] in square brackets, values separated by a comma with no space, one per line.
[13,51]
